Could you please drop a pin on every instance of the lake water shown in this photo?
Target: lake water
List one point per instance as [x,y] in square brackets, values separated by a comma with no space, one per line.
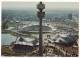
[6,39]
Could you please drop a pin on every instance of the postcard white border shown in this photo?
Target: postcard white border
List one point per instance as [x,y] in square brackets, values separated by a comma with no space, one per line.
[37,1]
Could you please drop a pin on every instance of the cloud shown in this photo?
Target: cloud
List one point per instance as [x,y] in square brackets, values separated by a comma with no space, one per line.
[32,5]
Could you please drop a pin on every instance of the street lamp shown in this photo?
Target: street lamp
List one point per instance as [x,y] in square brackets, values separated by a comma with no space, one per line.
[40,15]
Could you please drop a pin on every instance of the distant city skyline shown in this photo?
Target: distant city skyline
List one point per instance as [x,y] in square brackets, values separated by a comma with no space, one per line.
[32,5]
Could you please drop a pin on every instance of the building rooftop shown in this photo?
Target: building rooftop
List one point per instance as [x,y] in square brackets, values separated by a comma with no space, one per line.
[35,28]
[67,39]
[26,41]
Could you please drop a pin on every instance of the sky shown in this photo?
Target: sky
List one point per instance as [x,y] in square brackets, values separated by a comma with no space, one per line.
[32,5]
